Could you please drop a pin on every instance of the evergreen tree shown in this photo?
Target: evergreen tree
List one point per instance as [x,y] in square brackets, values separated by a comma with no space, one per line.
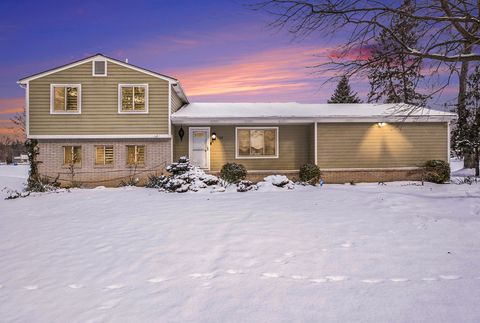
[393,75]
[343,93]
[466,136]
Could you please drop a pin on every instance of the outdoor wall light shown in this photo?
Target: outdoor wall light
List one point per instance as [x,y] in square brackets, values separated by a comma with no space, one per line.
[382,124]
[214,137]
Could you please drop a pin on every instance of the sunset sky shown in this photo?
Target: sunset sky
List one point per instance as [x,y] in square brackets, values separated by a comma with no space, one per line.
[219,50]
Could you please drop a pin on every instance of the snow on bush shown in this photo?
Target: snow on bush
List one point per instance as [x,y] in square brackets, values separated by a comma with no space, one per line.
[281,181]
[245,186]
[184,177]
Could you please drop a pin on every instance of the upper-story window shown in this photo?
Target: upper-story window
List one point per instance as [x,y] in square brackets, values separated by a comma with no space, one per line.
[65,98]
[133,98]
[99,67]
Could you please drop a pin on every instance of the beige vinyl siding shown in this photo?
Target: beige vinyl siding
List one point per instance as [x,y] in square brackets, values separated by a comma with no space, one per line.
[295,147]
[99,104]
[366,145]
[176,102]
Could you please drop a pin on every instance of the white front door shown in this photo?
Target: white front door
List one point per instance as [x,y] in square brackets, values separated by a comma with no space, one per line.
[199,147]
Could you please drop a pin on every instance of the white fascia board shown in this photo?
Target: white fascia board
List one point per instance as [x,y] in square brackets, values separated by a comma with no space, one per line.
[146,136]
[91,59]
[177,87]
[264,120]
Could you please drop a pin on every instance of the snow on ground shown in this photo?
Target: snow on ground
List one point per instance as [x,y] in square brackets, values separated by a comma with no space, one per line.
[340,253]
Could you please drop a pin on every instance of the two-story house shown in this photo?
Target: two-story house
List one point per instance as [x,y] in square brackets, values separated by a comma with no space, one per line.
[107,118]
[100,120]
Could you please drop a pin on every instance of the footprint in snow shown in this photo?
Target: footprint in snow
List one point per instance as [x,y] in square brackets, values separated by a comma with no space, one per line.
[271,275]
[31,287]
[372,280]
[115,286]
[109,304]
[336,278]
[156,280]
[398,280]
[281,261]
[204,276]
[347,244]
[289,254]
[318,280]
[75,286]
[234,271]
[429,279]
[449,277]
[298,277]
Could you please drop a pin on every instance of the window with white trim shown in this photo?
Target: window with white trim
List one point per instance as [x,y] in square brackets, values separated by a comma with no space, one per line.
[135,155]
[72,155]
[65,98]
[103,155]
[133,98]
[257,142]
[99,68]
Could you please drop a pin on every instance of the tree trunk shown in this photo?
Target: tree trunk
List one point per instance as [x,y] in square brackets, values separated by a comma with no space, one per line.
[477,162]
[469,160]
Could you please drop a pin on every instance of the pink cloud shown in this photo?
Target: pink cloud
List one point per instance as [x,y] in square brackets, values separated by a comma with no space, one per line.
[277,71]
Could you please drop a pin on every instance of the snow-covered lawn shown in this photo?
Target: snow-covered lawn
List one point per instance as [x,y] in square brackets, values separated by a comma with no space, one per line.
[340,253]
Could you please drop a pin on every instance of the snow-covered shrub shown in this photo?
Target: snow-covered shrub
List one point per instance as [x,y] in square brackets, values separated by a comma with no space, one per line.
[245,186]
[277,180]
[156,181]
[437,171]
[233,172]
[183,177]
[14,194]
[310,173]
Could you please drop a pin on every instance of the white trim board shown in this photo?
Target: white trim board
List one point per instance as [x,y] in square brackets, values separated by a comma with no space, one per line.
[303,120]
[277,148]
[89,59]
[190,130]
[133,136]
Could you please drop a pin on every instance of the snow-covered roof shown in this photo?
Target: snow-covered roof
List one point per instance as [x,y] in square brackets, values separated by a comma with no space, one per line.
[292,112]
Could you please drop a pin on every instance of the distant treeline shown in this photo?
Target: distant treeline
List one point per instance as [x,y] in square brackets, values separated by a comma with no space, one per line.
[10,149]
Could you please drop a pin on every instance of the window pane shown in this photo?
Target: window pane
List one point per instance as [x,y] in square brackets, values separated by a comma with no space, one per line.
[130,155]
[140,155]
[99,155]
[139,98]
[67,155]
[72,98]
[99,67]
[270,142]
[256,142]
[243,142]
[77,154]
[127,98]
[59,99]
[108,155]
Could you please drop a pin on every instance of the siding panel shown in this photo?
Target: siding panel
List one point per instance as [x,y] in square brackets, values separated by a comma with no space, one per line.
[99,104]
[295,148]
[366,145]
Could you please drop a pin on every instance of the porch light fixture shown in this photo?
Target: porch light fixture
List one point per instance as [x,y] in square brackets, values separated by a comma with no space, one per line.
[213,138]
[382,124]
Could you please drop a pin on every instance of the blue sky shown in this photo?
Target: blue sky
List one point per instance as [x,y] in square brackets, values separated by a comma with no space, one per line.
[220,50]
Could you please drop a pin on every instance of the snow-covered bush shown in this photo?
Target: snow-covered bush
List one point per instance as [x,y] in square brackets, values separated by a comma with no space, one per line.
[245,186]
[437,171]
[184,177]
[233,172]
[281,181]
[310,173]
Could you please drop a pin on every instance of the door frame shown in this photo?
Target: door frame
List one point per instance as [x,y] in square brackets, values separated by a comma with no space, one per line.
[190,145]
